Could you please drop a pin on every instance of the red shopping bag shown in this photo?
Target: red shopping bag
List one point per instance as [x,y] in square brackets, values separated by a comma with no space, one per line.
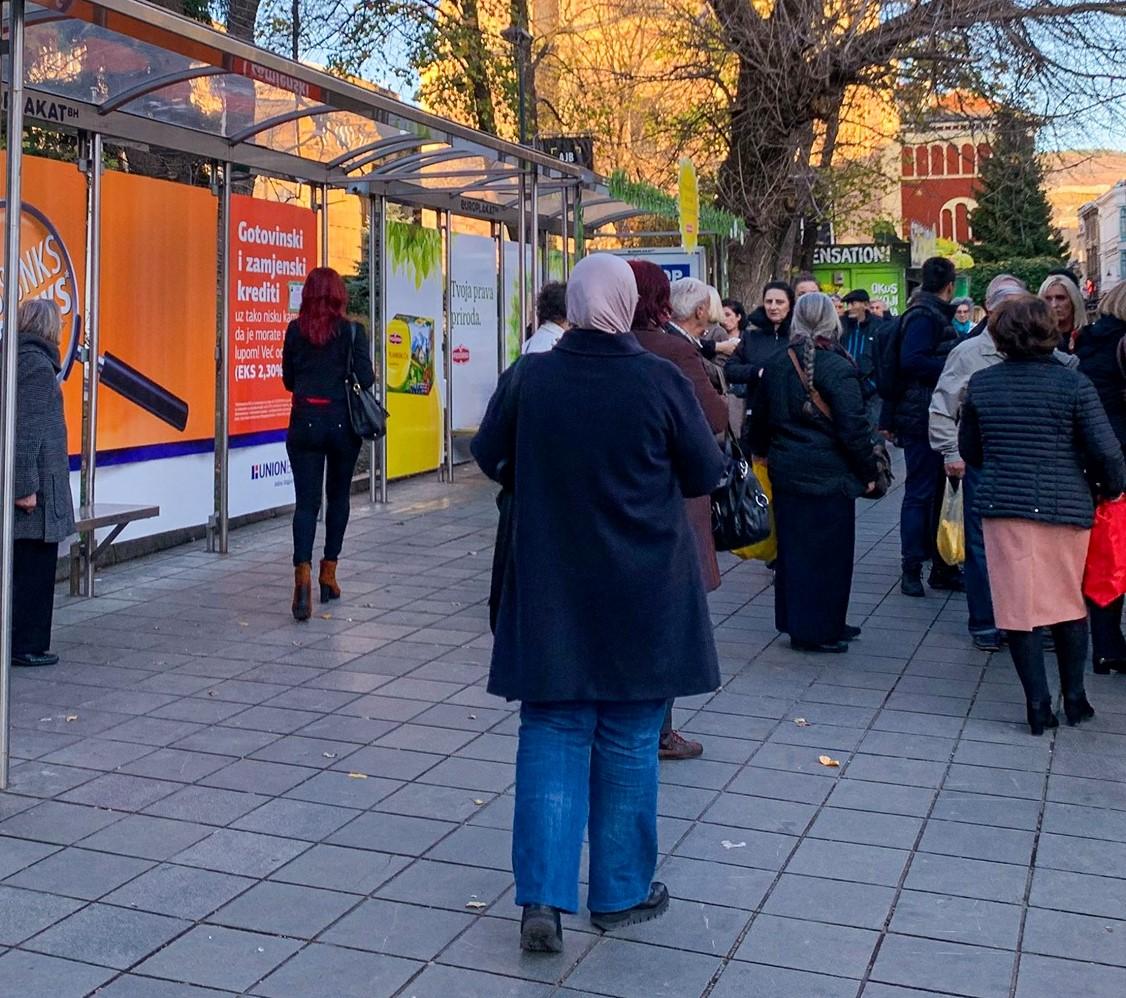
[1104,578]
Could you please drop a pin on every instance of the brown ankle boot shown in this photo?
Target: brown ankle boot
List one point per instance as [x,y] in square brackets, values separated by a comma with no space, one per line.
[302,591]
[329,587]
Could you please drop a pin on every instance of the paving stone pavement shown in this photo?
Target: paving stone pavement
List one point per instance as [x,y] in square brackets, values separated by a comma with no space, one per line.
[210,799]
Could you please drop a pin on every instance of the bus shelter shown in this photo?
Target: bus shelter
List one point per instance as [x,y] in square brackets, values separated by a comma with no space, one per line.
[175,295]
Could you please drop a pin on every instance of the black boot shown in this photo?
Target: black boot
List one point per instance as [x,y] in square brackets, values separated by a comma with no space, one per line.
[654,906]
[1105,666]
[541,930]
[944,578]
[1071,653]
[912,583]
[1040,716]
[1077,709]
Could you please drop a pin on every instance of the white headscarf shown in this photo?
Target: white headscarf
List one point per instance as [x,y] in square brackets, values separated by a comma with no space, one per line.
[602,294]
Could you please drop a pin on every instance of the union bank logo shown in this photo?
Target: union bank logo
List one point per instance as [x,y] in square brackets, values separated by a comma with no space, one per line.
[269,469]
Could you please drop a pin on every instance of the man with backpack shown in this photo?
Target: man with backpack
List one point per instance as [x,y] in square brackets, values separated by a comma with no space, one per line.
[910,356]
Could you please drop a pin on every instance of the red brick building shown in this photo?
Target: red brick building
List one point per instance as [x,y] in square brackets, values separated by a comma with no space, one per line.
[939,169]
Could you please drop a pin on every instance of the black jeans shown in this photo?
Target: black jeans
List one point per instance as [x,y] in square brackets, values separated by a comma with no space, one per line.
[1027,650]
[922,492]
[322,452]
[33,596]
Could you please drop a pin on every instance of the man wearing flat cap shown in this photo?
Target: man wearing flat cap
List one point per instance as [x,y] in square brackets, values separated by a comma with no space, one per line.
[860,329]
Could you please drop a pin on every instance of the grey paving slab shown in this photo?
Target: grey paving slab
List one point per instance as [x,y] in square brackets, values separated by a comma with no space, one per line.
[179,890]
[107,935]
[624,968]
[25,913]
[247,854]
[742,979]
[26,973]
[284,910]
[134,986]
[57,822]
[1044,977]
[218,957]
[817,947]
[79,873]
[959,919]
[412,931]
[339,869]
[941,965]
[441,982]
[863,906]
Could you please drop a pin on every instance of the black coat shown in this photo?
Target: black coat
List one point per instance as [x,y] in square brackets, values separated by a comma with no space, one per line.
[311,371]
[860,340]
[42,466]
[1038,432]
[808,454]
[758,344]
[926,339]
[602,597]
[1097,350]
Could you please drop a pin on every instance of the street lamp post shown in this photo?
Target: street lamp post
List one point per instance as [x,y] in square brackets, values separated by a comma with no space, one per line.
[520,38]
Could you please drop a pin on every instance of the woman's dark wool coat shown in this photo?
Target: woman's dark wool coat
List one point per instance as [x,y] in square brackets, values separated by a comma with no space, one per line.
[602,597]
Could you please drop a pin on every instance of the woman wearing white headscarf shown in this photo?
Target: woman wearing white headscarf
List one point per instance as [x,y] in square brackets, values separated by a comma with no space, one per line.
[818,467]
[601,616]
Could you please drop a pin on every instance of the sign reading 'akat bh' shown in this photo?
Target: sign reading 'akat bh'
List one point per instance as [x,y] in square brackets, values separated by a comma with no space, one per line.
[851,255]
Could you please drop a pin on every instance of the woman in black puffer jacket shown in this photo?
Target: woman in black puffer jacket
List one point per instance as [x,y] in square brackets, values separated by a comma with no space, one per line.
[765,335]
[1044,444]
[1100,350]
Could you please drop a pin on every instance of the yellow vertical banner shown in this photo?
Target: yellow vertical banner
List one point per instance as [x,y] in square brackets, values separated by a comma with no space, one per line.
[688,204]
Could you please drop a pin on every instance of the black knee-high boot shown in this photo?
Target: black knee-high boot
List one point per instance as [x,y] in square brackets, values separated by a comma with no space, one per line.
[1027,650]
[1071,651]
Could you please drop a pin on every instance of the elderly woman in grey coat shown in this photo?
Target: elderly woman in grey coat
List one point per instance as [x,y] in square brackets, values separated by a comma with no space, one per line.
[44,509]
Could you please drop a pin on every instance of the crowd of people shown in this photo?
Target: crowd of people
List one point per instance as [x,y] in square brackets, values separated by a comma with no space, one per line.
[607,439]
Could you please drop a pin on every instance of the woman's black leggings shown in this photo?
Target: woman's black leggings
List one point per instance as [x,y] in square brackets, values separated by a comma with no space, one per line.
[1027,649]
[322,452]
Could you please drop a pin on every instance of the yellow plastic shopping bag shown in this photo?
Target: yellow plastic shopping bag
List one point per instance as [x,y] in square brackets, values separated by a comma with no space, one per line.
[766,550]
[952,526]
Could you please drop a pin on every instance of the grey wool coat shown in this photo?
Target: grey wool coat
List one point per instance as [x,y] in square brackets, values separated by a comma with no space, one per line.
[42,466]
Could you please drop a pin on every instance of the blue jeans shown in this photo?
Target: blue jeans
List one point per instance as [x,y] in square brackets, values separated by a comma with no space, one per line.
[918,520]
[586,762]
[978,595]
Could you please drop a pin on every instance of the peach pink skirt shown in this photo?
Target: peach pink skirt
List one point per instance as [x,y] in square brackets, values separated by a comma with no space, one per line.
[1035,572]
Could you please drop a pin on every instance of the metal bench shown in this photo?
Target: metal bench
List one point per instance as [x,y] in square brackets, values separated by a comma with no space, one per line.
[83,554]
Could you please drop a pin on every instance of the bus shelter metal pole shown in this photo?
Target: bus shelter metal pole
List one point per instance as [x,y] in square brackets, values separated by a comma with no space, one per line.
[374,333]
[88,473]
[223,372]
[381,370]
[9,353]
[324,225]
[447,354]
[502,305]
[538,260]
[564,219]
[522,254]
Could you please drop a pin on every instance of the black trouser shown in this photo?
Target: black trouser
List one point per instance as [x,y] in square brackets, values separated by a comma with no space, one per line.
[1027,650]
[322,452]
[33,596]
[1106,631]
[813,580]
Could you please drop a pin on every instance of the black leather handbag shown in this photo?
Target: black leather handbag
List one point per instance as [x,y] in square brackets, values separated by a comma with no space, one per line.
[740,509]
[368,417]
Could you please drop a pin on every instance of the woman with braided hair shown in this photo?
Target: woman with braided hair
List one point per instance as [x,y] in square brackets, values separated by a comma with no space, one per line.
[819,465]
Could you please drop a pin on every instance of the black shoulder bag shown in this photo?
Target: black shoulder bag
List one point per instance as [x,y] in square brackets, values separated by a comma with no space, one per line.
[740,509]
[368,417]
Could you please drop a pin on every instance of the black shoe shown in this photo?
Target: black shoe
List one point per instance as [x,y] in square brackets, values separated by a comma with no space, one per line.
[946,579]
[992,640]
[1077,709]
[654,906]
[541,930]
[31,661]
[850,633]
[912,584]
[829,647]
[1040,716]
[1105,666]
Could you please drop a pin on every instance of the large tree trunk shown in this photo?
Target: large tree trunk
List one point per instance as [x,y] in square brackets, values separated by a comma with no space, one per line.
[475,58]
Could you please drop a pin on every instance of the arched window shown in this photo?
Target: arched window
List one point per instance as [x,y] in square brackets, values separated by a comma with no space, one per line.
[961,223]
[922,161]
[983,152]
[946,226]
[908,162]
[969,160]
[952,165]
[938,161]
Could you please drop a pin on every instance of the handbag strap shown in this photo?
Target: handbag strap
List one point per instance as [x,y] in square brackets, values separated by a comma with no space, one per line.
[349,372]
[810,390]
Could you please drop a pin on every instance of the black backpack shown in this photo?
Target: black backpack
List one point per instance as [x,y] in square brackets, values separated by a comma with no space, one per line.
[889,342]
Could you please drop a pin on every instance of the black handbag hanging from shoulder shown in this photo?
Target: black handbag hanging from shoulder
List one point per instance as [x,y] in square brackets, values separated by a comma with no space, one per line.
[368,417]
[740,509]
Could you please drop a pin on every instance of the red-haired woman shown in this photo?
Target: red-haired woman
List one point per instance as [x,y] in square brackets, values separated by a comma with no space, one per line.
[319,346]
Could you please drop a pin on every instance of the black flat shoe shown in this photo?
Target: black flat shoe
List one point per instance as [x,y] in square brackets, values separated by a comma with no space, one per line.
[541,930]
[850,633]
[1041,716]
[1077,710]
[828,648]
[654,906]
[32,661]
[910,584]
[1105,666]
[947,581]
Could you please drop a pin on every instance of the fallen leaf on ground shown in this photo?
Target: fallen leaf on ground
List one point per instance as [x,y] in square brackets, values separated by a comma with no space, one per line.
[473,717]
[326,616]
[828,760]
[357,776]
[329,755]
[476,905]
[728,844]
[479,803]
[71,717]
[801,722]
